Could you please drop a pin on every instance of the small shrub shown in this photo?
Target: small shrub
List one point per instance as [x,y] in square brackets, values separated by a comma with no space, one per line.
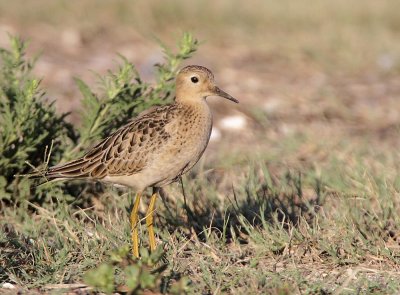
[28,123]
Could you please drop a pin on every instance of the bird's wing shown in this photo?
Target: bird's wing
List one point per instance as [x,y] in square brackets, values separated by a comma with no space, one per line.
[127,151]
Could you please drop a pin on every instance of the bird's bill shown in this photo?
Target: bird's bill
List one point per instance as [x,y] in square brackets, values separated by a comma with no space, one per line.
[222,93]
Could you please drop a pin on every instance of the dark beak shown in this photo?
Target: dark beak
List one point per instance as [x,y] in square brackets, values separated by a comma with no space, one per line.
[221,93]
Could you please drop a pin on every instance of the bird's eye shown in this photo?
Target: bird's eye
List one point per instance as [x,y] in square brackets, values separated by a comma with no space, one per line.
[194,79]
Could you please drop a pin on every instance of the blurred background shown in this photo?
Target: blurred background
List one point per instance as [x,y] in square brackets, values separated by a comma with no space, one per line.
[311,76]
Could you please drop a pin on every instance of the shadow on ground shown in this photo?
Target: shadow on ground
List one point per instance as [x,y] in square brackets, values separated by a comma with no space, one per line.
[266,204]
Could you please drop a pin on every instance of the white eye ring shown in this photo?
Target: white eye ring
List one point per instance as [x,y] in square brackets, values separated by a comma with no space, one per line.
[194,79]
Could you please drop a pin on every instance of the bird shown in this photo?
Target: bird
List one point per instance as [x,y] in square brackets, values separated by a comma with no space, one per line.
[154,149]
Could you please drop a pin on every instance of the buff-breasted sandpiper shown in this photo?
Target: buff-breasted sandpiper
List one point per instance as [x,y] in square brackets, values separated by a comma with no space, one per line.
[154,149]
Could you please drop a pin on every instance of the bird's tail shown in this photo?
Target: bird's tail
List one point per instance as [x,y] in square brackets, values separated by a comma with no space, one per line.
[72,169]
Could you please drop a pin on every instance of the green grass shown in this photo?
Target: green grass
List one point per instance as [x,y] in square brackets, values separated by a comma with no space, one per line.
[262,235]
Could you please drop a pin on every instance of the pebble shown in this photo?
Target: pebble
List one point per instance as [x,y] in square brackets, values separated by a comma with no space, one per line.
[8,286]
[236,122]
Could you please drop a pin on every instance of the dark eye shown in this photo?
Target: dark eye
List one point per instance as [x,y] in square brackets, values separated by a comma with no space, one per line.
[194,79]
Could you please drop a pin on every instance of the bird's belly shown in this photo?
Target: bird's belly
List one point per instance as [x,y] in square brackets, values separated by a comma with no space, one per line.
[162,172]
[179,160]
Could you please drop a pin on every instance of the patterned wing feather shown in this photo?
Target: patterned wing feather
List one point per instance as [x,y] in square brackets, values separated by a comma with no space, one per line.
[125,152]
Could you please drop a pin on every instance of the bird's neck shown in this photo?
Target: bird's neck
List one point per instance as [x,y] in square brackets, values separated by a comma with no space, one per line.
[195,102]
[198,108]
[185,99]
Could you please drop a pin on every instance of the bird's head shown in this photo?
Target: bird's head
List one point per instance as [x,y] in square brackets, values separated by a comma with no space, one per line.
[197,82]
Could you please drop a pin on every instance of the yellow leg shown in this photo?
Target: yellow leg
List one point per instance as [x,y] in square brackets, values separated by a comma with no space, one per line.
[134,225]
[149,221]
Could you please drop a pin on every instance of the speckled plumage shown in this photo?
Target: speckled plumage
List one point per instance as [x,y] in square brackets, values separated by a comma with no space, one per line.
[153,150]
[156,148]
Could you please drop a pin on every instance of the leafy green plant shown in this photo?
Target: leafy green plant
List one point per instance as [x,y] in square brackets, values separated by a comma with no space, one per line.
[126,274]
[28,123]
